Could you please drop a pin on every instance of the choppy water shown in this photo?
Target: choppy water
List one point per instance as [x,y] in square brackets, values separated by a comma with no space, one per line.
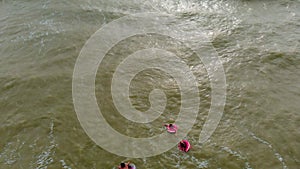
[257,41]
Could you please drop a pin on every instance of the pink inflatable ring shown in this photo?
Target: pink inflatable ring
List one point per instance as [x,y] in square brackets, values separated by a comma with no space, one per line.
[184,145]
[171,128]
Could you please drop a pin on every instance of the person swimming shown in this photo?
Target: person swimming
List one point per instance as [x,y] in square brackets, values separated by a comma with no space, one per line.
[184,145]
[171,128]
[123,166]
[127,165]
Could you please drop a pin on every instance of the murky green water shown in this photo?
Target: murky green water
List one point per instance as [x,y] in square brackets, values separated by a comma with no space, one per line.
[257,41]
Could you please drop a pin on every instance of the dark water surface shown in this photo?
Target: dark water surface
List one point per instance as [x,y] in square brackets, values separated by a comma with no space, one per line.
[257,41]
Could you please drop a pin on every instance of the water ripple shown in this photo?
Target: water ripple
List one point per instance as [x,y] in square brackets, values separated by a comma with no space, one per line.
[276,154]
[46,157]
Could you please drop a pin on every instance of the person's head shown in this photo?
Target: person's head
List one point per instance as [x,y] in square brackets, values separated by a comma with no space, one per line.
[170,125]
[182,144]
[122,165]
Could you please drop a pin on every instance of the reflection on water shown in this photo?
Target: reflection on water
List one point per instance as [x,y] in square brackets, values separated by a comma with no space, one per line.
[258,43]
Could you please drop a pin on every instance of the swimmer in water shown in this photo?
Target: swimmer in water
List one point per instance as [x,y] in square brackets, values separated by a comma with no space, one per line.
[123,166]
[184,145]
[127,165]
[171,128]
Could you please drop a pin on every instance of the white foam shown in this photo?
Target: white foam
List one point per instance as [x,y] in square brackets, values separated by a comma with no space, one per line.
[238,155]
[64,165]
[10,153]
[45,158]
[276,154]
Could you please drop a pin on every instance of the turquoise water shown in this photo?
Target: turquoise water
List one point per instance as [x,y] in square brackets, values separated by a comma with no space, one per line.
[258,44]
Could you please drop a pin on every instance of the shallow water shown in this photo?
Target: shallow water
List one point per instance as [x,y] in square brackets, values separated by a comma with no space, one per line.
[258,44]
